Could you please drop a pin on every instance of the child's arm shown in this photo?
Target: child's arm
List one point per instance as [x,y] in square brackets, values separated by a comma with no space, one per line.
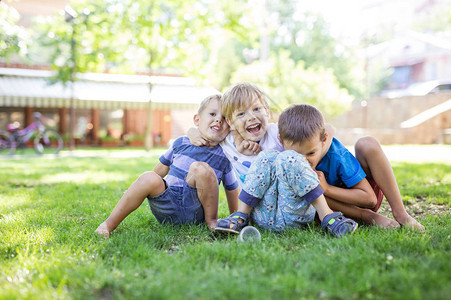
[245,147]
[252,148]
[195,138]
[360,194]
[232,199]
[161,169]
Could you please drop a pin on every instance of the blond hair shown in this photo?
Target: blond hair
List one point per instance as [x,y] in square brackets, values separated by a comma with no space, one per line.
[207,101]
[241,95]
[300,122]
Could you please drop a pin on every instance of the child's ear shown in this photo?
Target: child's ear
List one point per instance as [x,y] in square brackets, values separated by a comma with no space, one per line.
[326,136]
[280,140]
[196,120]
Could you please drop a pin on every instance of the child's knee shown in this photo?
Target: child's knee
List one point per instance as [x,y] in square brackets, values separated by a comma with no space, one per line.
[291,161]
[293,169]
[200,170]
[264,162]
[149,179]
[371,201]
[269,154]
[367,144]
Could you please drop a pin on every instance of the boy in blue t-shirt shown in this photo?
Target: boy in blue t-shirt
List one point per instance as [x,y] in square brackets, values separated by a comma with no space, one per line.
[183,187]
[352,185]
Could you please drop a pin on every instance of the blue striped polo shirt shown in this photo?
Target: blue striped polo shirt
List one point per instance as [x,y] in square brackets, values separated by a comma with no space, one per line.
[182,154]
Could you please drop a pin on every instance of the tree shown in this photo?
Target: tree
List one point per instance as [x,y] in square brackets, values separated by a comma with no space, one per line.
[288,82]
[437,19]
[99,40]
[13,38]
[176,34]
[307,37]
[140,36]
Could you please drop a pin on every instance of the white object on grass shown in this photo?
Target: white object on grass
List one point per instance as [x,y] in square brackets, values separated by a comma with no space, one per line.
[249,234]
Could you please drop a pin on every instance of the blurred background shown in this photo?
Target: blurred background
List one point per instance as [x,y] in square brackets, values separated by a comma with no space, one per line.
[121,72]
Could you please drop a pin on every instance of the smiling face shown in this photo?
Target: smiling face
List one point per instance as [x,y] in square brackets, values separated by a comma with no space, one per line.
[211,123]
[251,121]
[313,149]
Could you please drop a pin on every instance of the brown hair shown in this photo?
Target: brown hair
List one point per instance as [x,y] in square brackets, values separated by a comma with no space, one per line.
[206,101]
[301,122]
[240,95]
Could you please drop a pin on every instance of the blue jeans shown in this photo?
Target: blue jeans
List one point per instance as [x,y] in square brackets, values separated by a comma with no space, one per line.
[177,205]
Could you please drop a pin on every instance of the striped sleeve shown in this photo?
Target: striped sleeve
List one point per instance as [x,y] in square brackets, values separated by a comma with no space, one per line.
[168,157]
[230,183]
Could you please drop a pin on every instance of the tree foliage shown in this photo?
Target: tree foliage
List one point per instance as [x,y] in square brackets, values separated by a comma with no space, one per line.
[13,38]
[138,36]
[307,37]
[202,38]
[289,82]
[300,41]
[436,20]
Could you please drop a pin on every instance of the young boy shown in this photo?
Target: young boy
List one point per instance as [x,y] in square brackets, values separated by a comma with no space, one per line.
[246,110]
[347,181]
[183,187]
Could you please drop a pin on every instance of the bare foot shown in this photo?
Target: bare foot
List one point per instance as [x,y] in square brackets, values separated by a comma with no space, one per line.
[410,223]
[103,230]
[383,222]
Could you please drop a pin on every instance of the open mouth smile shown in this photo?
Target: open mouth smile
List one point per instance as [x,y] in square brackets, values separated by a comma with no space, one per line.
[254,128]
[215,128]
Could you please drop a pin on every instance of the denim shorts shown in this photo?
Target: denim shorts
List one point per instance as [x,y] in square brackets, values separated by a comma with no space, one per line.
[177,205]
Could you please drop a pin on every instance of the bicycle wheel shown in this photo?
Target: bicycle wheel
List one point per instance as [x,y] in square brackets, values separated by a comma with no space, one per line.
[48,142]
[6,145]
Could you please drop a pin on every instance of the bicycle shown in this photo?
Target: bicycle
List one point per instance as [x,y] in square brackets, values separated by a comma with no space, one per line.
[44,140]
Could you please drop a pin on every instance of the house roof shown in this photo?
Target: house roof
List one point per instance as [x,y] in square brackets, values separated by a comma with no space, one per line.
[410,48]
[22,87]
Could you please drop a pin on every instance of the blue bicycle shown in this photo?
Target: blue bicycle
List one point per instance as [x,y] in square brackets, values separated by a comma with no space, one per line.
[44,140]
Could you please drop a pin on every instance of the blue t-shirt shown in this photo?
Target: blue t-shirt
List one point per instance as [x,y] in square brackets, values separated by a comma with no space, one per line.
[182,154]
[340,167]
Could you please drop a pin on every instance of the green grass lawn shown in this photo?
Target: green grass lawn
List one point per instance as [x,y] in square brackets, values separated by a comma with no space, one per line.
[49,209]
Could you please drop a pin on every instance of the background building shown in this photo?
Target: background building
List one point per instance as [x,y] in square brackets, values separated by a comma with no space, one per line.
[108,107]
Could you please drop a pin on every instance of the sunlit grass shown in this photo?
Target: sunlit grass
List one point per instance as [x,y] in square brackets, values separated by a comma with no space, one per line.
[84,177]
[49,209]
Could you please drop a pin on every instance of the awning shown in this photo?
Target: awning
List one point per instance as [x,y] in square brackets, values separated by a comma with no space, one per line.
[21,87]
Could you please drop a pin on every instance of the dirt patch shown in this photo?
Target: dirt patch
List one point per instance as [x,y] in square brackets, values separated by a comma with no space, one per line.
[418,208]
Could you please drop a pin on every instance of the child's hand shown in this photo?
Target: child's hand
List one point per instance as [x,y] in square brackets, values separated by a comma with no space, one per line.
[201,142]
[245,147]
[196,139]
[250,148]
[322,181]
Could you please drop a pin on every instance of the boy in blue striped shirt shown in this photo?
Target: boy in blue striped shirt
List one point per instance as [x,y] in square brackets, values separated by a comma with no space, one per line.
[183,187]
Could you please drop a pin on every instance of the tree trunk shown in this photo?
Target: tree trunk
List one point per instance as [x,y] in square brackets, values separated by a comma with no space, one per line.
[148,139]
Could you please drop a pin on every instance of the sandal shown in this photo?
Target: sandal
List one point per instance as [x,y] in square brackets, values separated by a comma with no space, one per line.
[238,219]
[338,225]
